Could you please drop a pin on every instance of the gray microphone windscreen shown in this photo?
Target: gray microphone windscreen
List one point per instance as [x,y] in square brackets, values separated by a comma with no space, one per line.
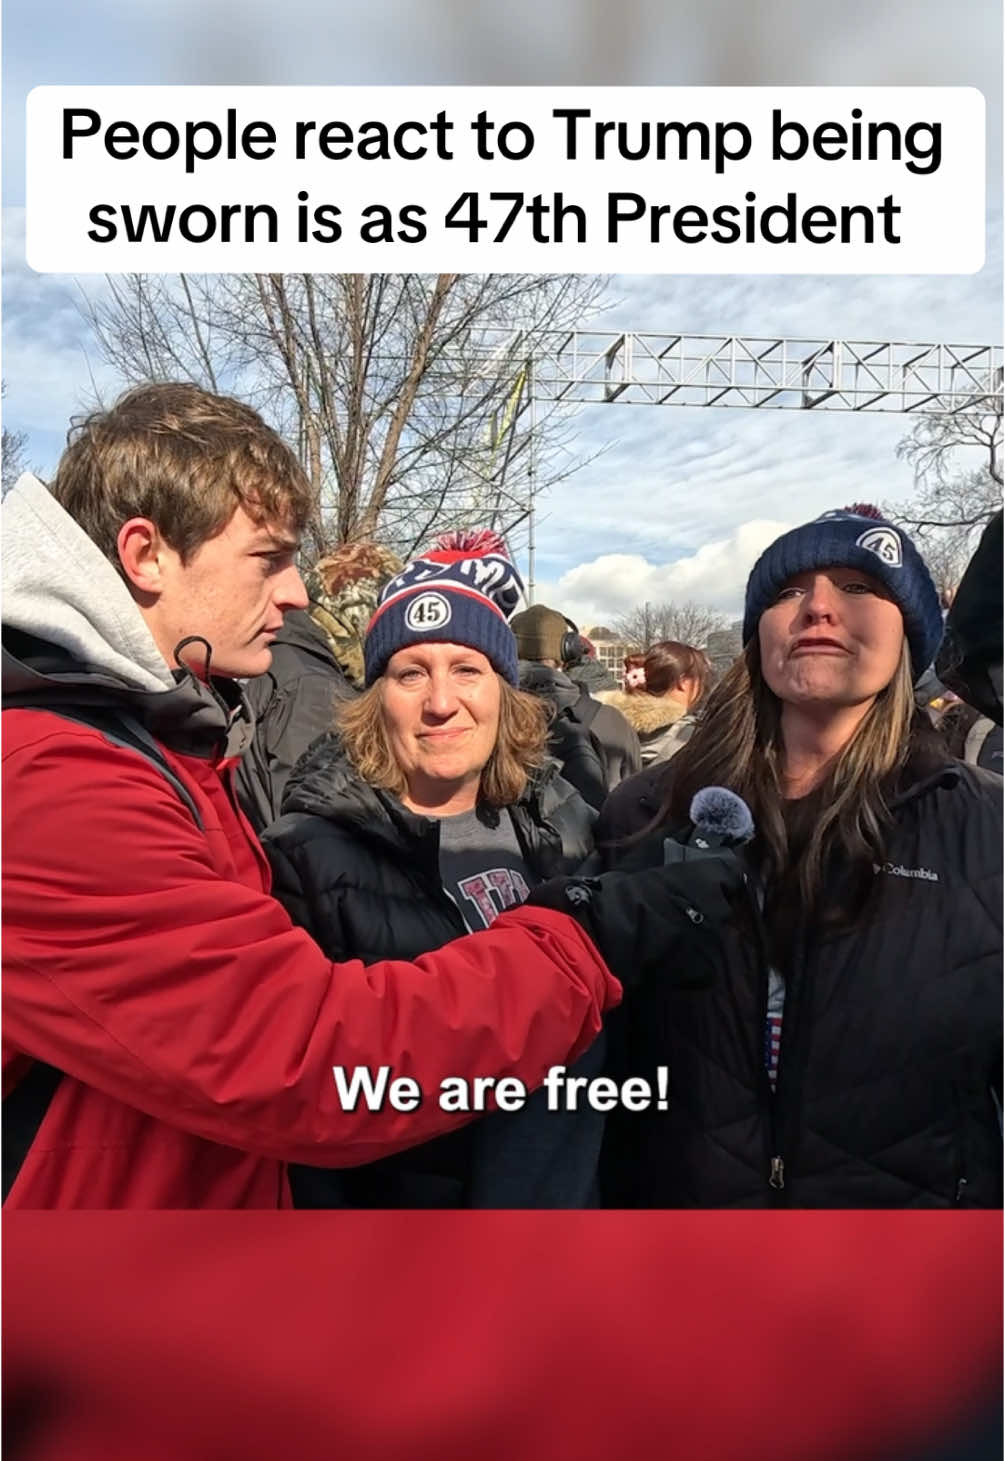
[718,812]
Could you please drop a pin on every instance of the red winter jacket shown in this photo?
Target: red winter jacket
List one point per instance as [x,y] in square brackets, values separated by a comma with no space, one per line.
[197,1028]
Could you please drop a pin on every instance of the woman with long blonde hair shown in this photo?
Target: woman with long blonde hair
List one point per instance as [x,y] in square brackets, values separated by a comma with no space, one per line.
[851,1055]
[430,809]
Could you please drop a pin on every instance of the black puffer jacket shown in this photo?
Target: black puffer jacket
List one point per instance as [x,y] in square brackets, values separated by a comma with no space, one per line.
[891,1042]
[592,675]
[361,873]
[970,660]
[293,703]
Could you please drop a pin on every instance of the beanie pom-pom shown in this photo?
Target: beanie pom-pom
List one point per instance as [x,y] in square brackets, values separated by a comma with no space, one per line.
[865,509]
[476,541]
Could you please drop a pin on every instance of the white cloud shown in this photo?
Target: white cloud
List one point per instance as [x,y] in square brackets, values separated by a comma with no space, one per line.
[677,486]
[52,363]
[680,480]
[715,575]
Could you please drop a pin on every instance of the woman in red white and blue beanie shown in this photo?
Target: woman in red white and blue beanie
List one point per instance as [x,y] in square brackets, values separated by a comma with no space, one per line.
[430,809]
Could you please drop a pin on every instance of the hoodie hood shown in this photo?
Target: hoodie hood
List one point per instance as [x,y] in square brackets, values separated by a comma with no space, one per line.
[551,684]
[646,714]
[591,674]
[73,635]
[58,586]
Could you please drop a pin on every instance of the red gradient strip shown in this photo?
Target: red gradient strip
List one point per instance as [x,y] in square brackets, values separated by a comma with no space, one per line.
[497,1335]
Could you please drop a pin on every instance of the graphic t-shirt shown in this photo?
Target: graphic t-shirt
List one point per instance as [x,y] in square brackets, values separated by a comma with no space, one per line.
[786,912]
[482,867]
[533,1157]
[773,1025]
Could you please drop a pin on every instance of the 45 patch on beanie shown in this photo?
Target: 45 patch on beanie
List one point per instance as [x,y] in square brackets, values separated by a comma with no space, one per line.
[853,537]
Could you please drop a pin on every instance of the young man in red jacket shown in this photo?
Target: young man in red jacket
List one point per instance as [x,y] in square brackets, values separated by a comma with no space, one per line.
[169,1035]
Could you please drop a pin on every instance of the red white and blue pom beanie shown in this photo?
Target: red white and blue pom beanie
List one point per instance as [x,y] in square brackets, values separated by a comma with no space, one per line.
[462,591]
[853,537]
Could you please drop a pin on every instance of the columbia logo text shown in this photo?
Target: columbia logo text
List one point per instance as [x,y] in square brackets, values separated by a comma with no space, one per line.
[895,870]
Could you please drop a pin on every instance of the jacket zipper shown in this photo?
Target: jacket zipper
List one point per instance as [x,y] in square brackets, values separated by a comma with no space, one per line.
[769,1098]
[796,995]
[960,1183]
[777,1125]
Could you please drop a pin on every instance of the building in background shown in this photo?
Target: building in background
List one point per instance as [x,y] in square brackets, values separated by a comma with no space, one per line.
[611,651]
[724,645]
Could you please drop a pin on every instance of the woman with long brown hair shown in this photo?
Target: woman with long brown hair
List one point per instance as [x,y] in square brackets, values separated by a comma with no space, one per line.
[851,1055]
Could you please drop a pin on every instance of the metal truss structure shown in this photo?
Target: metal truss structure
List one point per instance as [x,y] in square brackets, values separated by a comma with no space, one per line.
[635,368]
[552,368]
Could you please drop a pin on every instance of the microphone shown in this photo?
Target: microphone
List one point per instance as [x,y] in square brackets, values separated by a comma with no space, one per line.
[720,817]
[636,918]
[721,821]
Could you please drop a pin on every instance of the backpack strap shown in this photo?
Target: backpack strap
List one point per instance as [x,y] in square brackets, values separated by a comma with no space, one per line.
[575,748]
[24,1111]
[122,729]
[24,1108]
[585,707]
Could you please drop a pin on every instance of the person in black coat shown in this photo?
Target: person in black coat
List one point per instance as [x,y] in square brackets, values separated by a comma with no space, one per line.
[429,811]
[970,660]
[851,1055]
[595,745]
[317,662]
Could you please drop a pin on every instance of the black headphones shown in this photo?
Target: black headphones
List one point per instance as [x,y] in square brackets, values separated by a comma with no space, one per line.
[573,647]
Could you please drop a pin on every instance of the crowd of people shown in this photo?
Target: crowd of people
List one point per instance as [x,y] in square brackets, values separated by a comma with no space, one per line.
[261,824]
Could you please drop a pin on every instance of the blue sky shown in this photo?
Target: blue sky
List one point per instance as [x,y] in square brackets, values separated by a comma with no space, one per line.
[680,499]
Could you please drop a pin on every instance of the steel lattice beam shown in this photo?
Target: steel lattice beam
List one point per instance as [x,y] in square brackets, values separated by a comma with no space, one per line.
[633,368]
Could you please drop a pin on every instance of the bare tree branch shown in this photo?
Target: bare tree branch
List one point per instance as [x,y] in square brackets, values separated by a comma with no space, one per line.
[935,439]
[405,419]
[687,623]
[12,457]
[958,484]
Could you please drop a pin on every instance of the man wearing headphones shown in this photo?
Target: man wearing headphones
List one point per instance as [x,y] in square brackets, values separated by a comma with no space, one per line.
[594,743]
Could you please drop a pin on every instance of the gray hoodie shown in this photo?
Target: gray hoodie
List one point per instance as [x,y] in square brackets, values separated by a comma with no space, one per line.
[73,635]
